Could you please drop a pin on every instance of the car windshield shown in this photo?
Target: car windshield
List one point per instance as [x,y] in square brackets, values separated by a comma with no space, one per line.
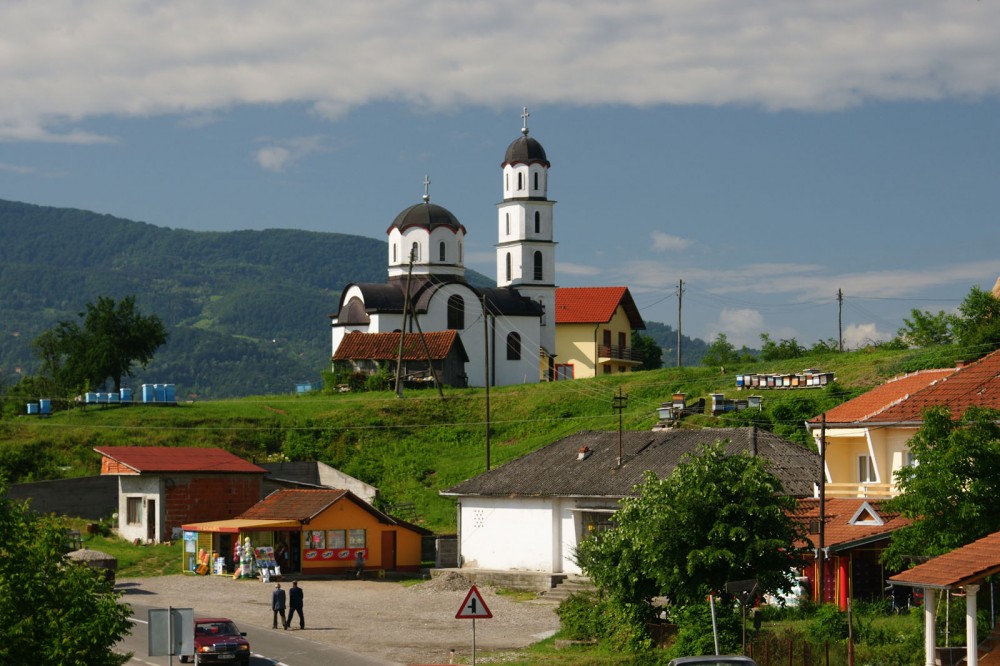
[215,629]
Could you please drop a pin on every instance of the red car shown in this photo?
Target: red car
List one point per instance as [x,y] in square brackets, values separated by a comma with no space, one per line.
[218,641]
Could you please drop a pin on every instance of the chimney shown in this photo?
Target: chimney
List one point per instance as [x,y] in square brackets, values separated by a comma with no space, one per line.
[583,453]
[960,364]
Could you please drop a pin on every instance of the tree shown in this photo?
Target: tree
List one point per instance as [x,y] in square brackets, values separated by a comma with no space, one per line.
[720,352]
[926,329]
[717,518]
[778,351]
[953,494]
[113,338]
[977,325]
[649,351]
[52,610]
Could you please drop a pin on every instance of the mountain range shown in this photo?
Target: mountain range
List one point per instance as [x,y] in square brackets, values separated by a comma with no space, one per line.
[247,312]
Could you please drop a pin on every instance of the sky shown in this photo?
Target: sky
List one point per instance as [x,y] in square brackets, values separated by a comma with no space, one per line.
[769,155]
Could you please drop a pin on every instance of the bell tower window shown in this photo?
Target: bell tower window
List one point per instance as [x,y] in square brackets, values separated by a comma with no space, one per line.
[415,252]
[536,180]
[538,266]
[538,221]
[520,181]
[508,267]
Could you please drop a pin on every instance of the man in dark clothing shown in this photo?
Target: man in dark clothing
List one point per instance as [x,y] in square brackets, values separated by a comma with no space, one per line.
[295,604]
[278,605]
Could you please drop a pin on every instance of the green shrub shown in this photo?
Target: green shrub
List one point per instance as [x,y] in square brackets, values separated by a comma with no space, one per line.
[694,630]
[581,617]
[829,624]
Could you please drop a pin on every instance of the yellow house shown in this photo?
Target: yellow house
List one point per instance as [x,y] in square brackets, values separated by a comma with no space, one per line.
[867,438]
[314,532]
[594,331]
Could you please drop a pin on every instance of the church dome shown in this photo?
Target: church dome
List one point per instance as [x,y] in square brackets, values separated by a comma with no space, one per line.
[525,150]
[426,215]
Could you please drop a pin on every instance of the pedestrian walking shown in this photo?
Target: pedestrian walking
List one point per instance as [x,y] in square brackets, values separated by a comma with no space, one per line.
[295,604]
[278,605]
[359,564]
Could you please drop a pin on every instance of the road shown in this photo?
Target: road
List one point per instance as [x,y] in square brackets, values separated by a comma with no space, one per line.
[269,647]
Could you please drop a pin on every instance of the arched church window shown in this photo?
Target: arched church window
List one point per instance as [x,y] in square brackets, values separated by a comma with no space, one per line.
[520,181]
[394,259]
[508,267]
[456,312]
[538,265]
[508,224]
[441,252]
[538,221]
[514,347]
[415,252]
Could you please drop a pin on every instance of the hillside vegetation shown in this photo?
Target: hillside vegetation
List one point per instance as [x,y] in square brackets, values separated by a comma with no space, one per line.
[413,447]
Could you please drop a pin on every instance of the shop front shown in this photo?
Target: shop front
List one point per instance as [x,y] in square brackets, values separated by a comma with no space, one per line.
[239,548]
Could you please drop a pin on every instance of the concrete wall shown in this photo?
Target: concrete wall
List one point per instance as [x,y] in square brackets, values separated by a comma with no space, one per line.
[92,497]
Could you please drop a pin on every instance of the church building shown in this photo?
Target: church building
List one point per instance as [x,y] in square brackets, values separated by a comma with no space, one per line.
[507,331]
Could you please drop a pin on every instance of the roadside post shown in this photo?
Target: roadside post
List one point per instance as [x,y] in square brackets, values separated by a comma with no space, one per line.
[473,608]
[171,631]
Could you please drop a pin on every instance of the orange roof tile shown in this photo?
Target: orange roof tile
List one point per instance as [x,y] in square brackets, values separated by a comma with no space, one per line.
[880,398]
[839,533]
[595,305]
[178,459]
[385,346]
[973,385]
[960,567]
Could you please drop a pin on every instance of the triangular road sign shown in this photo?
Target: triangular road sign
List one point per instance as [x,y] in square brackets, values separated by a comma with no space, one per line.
[473,608]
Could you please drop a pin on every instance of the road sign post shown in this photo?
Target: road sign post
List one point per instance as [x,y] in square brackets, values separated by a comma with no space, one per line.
[473,608]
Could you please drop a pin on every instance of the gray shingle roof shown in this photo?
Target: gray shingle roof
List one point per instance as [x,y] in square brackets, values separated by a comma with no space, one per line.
[555,470]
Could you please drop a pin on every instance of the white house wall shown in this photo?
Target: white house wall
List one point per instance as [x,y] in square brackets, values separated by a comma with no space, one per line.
[506,534]
[148,488]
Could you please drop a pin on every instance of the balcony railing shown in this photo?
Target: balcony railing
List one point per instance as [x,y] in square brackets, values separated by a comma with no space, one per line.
[861,490]
[617,353]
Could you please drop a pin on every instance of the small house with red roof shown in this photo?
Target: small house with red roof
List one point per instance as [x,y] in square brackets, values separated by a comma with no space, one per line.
[855,532]
[436,354]
[594,328]
[312,532]
[162,487]
[867,437]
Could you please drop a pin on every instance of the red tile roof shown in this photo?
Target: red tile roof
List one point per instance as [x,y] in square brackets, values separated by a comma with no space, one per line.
[385,346]
[973,385]
[293,504]
[839,533]
[960,567]
[178,459]
[595,305]
[880,398]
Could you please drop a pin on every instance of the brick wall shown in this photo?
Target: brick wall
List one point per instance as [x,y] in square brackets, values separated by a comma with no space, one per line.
[201,498]
[109,466]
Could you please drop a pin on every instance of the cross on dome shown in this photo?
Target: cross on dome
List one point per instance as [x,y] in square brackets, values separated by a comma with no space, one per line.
[524,121]
[427,189]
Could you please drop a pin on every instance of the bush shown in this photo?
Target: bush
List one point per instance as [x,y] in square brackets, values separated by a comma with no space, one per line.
[694,630]
[829,624]
[580,617]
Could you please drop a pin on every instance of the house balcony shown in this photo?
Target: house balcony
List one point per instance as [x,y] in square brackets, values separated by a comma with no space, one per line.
[861,490]
[616,354]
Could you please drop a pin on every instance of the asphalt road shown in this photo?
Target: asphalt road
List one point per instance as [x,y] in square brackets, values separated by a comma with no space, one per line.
[268,647]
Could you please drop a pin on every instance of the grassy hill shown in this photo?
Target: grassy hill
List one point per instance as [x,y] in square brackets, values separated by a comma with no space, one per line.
[413,447]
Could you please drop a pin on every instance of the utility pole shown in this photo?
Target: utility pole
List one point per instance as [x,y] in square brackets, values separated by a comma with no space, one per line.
[840,320]
[402,329]
[821,554]
[618,404]
[680,295]
[486,366]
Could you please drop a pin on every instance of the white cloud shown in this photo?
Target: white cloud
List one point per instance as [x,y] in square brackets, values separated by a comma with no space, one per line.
[568,268]
[285,152]
[666,243]
[66,61]
[862,335]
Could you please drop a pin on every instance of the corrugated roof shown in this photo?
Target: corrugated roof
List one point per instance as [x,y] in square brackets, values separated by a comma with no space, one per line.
[839,533]
[234,525]
[555,470]
[880,398]
[178,459]
[960,567]
[385,346]
[595,305]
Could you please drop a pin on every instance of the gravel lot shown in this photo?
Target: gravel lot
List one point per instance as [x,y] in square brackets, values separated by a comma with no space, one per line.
[412,624]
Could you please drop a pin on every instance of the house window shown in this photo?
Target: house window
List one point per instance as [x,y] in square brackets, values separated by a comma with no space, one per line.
[538,221]
[336,539]
[456,312]
[866,469]
[538,265]
[909,460]
[133,510]
[508,267]
[593,523]
[315,539]
[514,347]
[356,539]
[441,253]
[564,371]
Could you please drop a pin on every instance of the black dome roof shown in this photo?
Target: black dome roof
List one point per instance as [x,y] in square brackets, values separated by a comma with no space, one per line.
[427,215]
[525,150]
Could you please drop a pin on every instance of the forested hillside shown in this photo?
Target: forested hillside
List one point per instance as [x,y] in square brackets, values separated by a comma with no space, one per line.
[246,311]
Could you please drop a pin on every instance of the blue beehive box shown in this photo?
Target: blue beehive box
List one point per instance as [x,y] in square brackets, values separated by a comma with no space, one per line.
[32,407]
[160,391]
[168,392]
[90,397]
[113,397]
[126,394]
[44,406]
[148,393]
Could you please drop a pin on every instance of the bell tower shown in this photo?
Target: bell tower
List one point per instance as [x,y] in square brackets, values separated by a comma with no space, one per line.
[526,251]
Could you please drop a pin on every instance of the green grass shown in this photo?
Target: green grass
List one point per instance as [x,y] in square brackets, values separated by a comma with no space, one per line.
[134,561]
[410,448]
